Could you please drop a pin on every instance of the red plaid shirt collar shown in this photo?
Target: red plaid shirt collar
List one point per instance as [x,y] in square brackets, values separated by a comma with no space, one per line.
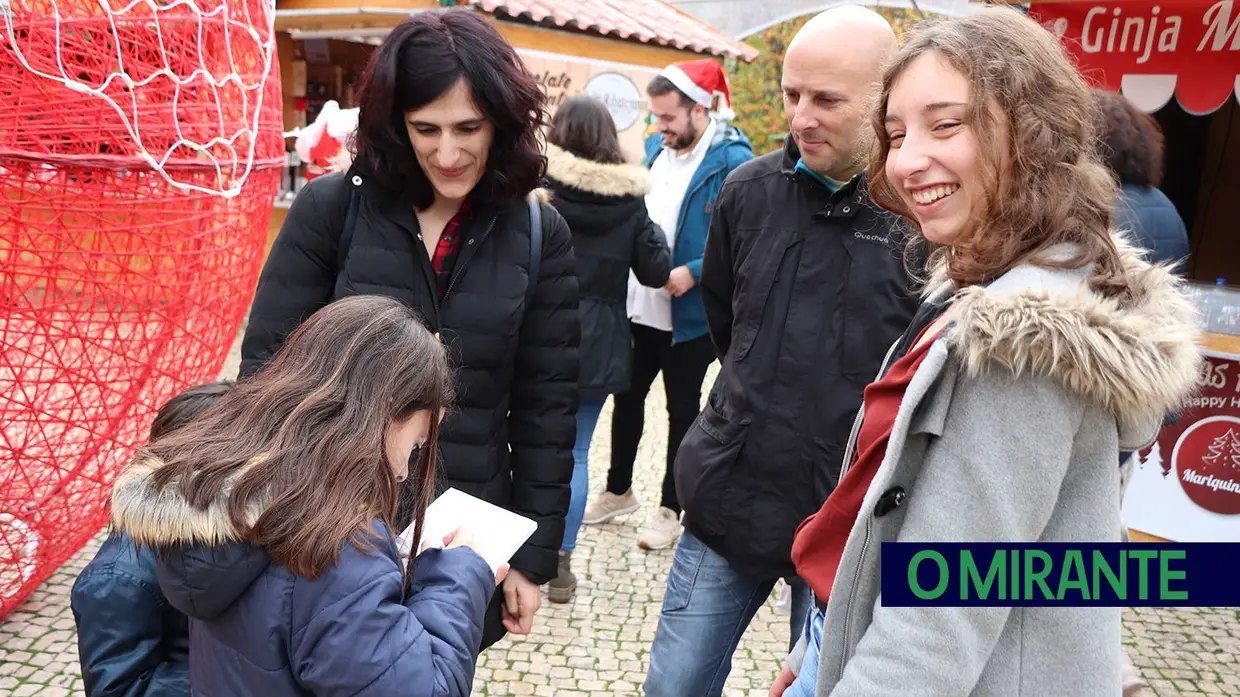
[449,246]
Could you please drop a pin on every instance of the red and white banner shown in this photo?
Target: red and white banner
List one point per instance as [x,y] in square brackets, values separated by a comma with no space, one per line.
[1152,50]
[1187,486]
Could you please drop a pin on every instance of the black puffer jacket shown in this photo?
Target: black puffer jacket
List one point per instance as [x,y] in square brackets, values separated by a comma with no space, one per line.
[805,291]
[509,439]
[606,210]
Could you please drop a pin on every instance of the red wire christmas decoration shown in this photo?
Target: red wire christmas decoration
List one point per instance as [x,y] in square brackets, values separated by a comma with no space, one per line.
[140,151]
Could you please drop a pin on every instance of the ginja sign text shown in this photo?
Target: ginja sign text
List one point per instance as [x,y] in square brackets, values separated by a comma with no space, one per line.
[1194,43]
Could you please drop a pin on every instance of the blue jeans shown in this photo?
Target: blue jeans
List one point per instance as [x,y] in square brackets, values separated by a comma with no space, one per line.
[706,609]
[587,418]
[807,679]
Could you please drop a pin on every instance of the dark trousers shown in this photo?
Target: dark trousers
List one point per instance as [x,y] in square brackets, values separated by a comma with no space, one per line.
[684,367]
[493,628]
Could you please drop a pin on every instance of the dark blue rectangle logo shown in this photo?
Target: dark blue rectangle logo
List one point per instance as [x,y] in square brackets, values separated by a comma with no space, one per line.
[1063,574]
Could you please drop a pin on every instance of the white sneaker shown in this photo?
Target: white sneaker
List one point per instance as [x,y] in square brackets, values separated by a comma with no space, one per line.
[661,530]
[783,605]
[609,505]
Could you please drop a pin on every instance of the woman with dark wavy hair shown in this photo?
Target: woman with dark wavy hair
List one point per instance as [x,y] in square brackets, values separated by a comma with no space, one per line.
[433,212]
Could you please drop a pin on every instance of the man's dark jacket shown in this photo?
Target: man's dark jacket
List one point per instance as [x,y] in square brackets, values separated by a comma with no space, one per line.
[509,437]
[805,291]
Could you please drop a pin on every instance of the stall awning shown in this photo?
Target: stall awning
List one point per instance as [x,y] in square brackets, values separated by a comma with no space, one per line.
[649,21]
[1153,50]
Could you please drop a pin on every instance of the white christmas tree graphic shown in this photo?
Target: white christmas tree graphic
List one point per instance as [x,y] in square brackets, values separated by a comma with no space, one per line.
[1225,451]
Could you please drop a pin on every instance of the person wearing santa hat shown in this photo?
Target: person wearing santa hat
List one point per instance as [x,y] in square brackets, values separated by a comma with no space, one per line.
[692,152]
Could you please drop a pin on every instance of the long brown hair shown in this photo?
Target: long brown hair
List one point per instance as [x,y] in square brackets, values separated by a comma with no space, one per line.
[1050,187]
[583,126]
[302,445]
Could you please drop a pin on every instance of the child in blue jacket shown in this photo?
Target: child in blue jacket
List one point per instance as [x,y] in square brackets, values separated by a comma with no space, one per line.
[131,642]
[272,518]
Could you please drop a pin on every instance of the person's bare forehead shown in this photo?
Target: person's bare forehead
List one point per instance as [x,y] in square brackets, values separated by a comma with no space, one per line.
[828,71]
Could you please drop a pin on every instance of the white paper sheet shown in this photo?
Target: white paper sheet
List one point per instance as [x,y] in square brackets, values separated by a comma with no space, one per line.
[499,533]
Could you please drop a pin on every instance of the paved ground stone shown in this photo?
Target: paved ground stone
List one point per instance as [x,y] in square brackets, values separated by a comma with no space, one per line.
[599,644]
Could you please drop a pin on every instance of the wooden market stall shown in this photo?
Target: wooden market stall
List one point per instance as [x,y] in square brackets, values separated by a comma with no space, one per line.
[1180,61]
[608,48]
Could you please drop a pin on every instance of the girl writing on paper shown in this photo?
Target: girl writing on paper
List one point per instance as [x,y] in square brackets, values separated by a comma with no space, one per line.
[272,517]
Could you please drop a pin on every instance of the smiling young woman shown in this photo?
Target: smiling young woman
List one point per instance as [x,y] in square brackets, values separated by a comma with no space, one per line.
[447,151]
[987,165]
[1035,313]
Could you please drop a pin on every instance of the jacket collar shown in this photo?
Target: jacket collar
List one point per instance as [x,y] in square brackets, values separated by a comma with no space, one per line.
[854,189]
[1138,359]
[163,517]
[596,177]
[726,135]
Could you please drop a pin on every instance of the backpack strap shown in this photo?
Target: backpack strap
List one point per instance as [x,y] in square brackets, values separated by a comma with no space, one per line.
[350,222]
[536,240]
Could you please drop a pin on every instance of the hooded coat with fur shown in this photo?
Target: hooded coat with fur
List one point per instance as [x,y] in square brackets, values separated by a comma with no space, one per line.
[258,629]
[1008,432]
[605,207]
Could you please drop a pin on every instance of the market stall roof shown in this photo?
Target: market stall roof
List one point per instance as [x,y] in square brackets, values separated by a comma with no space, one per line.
[1151,51]
[648,21]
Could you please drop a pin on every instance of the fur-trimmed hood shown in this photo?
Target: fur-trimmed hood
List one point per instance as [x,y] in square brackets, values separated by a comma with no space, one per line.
[596,177]
[163,517]
[1140,360]
[204,565]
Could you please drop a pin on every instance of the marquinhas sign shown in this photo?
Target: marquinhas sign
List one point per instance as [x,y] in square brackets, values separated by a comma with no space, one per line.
[1186,487]
[1153,49]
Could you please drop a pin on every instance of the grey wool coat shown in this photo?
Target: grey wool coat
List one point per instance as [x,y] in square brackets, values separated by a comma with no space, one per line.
[1009,432]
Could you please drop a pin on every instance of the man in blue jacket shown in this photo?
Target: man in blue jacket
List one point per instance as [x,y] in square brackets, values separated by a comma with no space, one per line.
[692,153]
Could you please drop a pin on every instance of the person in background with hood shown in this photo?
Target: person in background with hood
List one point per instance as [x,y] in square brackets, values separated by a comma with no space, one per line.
[272,518]
[1132,148]
[601,199]
[131,643]
[689,158]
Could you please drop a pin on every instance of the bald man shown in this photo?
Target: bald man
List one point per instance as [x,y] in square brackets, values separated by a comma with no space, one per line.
[805,289]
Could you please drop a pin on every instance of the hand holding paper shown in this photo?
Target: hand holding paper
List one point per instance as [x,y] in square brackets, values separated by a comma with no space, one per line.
[493,532]
[465,537]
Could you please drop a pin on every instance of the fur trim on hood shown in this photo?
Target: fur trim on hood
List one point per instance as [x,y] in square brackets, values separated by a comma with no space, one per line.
[164,517]
[1139,360]
[596,177]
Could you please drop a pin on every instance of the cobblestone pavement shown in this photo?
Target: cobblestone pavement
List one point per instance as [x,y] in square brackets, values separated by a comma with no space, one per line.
[598,644]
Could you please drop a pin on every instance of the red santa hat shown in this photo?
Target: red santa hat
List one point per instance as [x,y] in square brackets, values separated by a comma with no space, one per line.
[703,80]
[323,145]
